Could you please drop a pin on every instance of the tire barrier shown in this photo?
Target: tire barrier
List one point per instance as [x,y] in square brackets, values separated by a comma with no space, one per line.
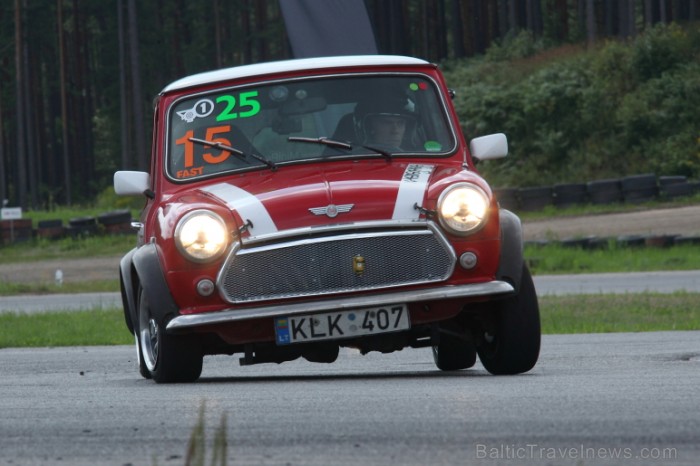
[507,198]
[116,222]
[108,223]
[639,188]
[604,191]
[535,198]
[631,189]
[15,231]
[50,229]
[82,227]
[567,195]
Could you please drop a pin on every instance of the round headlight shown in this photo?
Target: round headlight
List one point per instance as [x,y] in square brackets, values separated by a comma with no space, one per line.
[463,208]
[201,236]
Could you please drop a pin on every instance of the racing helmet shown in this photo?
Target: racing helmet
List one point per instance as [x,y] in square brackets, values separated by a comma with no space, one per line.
[396,106]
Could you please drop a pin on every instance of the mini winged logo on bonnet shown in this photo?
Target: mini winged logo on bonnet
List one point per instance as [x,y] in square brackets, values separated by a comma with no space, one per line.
[332,210]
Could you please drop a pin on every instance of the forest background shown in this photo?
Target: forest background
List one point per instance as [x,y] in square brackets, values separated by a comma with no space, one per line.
[584,89]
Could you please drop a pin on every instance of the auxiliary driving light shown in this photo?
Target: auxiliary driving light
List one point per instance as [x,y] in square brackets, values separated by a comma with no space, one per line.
[205,287]
[468,260]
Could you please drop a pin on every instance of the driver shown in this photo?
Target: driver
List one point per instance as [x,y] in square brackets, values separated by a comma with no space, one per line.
[386,129]
[384,122]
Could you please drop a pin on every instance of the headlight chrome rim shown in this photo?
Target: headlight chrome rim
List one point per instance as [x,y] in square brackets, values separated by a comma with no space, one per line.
[481,221]
[204,256]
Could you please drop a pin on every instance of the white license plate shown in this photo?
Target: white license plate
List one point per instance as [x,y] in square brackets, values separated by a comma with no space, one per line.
[346,324]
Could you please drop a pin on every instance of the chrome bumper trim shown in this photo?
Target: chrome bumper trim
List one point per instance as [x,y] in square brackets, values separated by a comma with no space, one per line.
[495,287]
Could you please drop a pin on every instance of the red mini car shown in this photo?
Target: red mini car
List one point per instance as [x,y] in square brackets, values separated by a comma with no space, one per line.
[296,207]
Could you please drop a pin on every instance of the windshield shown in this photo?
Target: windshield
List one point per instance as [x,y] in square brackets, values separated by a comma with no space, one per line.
[265,126]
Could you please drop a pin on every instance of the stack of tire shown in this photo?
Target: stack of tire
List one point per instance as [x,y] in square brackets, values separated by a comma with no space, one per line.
[639,188]
[82,227]
[50,229]
[116,222]
[631,189]
[536,198]
[604,191]
[14,231]
[507,198]
[677,186]
[567,195]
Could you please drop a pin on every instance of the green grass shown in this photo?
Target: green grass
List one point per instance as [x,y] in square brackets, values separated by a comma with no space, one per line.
[96,286]
[560,315]
[71,328]
[43,249]
[558,259]
[605,313]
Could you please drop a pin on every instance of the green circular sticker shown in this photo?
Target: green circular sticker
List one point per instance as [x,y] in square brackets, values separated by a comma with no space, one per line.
[432,146]
[413,86]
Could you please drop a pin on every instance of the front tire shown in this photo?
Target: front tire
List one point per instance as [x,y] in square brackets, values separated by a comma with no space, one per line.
[163,357]
[453,353]
[512,346]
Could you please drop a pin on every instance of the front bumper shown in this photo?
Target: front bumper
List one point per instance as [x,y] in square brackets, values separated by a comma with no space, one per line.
[492,288]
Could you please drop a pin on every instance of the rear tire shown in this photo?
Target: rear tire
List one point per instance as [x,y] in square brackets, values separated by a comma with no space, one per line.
[453,353]
[163,357]
[513,346]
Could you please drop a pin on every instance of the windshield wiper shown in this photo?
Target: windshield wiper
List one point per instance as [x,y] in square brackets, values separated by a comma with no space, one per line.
[241,155]
[322,140]
[338,144]
[383,152]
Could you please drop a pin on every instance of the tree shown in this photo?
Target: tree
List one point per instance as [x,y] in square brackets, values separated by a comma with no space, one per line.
[64,103]
[76,80]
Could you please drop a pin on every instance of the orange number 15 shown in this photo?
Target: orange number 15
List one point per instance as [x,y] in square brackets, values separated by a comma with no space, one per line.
[210,136]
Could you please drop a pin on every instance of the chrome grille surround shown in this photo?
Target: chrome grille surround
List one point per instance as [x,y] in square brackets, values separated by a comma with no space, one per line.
[319,261]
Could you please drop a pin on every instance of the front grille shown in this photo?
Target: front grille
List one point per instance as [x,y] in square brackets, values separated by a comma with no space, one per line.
[324,265]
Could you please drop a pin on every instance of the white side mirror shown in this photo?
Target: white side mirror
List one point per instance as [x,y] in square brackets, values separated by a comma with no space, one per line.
[493,146]
[130,183]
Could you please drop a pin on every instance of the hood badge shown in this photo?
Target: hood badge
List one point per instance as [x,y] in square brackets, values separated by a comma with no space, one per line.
[358,265]
[332,210]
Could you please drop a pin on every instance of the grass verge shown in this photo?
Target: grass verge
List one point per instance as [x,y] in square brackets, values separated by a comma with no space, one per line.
[96,286]
[605,313]
[558,259]
[600,313]
[44,249]
[70,328]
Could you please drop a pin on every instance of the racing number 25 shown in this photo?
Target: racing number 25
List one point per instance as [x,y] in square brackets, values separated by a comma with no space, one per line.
[210,136]
[245,100]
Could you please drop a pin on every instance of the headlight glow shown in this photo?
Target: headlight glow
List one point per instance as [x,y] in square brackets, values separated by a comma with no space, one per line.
[201,236]
[463,208]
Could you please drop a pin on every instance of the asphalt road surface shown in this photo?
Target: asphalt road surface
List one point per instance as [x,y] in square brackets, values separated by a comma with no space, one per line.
[592,399]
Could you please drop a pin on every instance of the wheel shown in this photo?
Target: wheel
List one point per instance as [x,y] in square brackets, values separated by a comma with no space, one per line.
[143,370]
[453,353]
[513,345]
[322,353]
[163,357]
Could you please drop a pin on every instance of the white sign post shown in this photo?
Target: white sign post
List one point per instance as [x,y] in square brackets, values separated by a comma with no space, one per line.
[11,214]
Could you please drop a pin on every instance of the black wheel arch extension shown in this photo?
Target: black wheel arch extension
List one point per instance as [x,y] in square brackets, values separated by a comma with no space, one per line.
[510,264]
[141,268]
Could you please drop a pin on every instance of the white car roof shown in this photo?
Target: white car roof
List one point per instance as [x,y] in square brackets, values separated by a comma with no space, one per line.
[290,65]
